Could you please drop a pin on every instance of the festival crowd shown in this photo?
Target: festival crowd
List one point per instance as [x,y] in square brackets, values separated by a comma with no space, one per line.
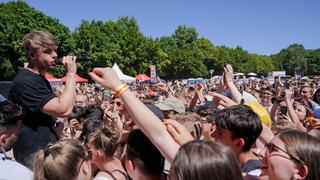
[225,128]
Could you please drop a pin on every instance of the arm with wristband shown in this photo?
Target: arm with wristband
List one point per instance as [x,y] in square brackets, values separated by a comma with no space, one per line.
[149,123]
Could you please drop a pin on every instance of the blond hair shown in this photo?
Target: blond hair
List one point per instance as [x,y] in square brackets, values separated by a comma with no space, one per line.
[187,117]
[35,40]
[281,125]
[61,160]
[107,139]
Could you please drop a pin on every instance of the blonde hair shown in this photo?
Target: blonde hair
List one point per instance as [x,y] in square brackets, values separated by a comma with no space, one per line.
[38,39]
[61,160]
[281,125]
[187,117]
[107,139]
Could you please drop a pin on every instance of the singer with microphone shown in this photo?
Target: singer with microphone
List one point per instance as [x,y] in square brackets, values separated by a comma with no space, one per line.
[33,92]
[78,59]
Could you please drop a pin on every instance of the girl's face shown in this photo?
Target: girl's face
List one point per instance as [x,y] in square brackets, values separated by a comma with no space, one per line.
[276,162]
[301,112]
[266,96]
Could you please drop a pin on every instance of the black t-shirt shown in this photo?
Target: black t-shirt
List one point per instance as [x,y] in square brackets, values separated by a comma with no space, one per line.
[32,92]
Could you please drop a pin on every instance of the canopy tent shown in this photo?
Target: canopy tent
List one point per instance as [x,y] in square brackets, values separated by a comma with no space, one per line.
[78,79]
[50,77]
[122,77]
[143,77]
[54,82]
[238,74]
[252,74]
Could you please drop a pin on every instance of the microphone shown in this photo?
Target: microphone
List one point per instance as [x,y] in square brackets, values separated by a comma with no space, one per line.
[78,59]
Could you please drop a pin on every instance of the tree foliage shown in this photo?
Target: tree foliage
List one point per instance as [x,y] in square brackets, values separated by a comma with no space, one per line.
[292,59]
[181,55]
[17,19]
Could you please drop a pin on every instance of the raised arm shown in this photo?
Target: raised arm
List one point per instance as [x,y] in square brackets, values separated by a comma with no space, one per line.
[294,117]
[228,76]
[62,106]
[150,124]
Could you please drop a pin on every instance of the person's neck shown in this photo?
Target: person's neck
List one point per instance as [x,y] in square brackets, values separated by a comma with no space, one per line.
[246,156]
[36,70]
[110,164]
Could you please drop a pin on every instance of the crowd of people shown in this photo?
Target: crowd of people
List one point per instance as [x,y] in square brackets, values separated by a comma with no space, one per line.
[223,129]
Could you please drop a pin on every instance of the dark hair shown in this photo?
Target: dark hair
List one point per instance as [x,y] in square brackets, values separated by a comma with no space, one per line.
[86,112]
[316,96]
[303,147]
[242,122]
[144,154]
[205,160]
[89,126]
[10,114]
[208,112]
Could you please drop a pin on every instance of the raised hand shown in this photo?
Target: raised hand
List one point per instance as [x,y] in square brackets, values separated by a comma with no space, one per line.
[69,63]
[228,73]
[106,77]
[220,99]
[178,132]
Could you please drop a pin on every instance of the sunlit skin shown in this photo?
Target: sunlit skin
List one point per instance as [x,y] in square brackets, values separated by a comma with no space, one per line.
[301,112]
[44,58]
[276,163]
[81,100]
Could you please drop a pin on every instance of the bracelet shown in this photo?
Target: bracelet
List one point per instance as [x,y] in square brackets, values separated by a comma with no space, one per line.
[121,89]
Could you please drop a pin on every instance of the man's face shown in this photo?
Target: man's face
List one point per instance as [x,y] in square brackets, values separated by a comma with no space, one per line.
[45,58]
[224,136]
[12,136]
[305,92]
[81,101]
[264,84]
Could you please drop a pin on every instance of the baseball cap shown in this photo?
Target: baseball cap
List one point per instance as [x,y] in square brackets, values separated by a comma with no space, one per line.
[171,104]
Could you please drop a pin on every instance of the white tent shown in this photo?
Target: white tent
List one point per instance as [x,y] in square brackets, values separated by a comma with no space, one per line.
[252,74]
[122,77]
[238,74]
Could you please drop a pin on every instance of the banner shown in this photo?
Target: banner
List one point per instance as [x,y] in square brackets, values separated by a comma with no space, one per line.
[153,73]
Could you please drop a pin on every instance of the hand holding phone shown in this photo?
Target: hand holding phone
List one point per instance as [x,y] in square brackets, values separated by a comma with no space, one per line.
[283,110]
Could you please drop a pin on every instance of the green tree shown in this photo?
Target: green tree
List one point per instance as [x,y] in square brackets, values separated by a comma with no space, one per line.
[120,42]
[257,64]
[17,19]
[185,56]
[313,57]
[291,59]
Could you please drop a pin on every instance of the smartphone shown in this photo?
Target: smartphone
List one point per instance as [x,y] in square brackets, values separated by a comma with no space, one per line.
[283,110]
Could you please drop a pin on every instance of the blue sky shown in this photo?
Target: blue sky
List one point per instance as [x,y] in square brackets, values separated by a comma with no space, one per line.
[259,26]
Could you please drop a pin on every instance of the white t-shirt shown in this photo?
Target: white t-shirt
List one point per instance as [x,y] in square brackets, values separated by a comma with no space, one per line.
[247,97]
[12,170]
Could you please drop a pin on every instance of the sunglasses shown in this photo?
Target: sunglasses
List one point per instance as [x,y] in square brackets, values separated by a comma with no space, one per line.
[270,147]
[117,103]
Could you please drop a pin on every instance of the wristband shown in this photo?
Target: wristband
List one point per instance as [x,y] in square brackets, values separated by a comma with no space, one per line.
[121,89]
